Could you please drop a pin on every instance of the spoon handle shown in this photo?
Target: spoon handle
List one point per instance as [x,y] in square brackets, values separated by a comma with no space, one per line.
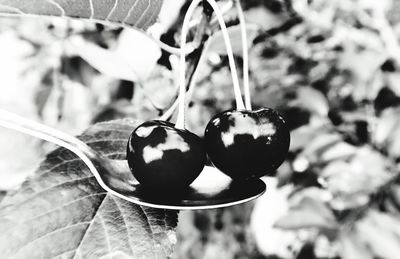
[84,152]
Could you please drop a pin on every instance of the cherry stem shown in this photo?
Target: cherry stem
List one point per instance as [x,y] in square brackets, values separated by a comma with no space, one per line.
[245,54]
[228,45]
[180,122]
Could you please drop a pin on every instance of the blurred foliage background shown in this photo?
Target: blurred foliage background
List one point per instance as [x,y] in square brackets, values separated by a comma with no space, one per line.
[330,67]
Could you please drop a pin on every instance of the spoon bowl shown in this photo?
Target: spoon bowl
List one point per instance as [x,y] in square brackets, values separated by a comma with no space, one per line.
[211,190]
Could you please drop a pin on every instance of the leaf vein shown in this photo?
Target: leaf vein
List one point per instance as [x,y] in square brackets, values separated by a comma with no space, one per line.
[12,8]
[58,6]
[149,225]
[66,205]
[125,222]
[91,9]
[144,13]
[105,233]
[130,12]
[112,10]
[88,229]
[51,187]
[48,234]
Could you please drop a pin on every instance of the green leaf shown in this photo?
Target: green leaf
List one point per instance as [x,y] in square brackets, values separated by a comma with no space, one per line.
[62,212]
[135,13]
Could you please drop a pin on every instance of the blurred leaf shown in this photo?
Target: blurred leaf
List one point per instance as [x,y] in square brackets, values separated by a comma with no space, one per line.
[217,43]
[105,61]
[264,18]
[302,136]
[63,212]
[133,59]
[135,13]
[19,157]
[308,213]
[160,88]
[125,109]
[268,209]
[65,101]
[319,144]
[381,233]
[351,247]
[386,123]
[387,132]
[139,51]
[340,150]
[352,181]
[170,12]
[312,100]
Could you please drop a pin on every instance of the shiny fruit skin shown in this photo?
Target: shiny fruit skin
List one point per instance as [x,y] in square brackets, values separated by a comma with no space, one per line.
[162,157]
[247,144]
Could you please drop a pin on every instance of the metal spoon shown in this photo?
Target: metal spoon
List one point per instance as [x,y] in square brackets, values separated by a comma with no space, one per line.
[212,189]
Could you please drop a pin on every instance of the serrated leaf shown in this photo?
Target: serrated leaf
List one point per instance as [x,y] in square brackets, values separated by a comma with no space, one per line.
[136,13]
[62,212]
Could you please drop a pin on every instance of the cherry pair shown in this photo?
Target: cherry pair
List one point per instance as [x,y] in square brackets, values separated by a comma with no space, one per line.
[242,144]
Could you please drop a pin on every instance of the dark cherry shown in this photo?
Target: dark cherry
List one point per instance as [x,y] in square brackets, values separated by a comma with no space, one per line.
[247,144]
[161,156]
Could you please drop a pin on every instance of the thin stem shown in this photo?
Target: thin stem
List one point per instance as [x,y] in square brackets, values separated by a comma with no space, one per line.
[168,114]
[245,53]
[195,74]
[228,45]
[192,74]
[180,123]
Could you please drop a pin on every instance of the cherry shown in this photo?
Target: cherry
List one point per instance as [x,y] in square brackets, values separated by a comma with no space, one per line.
[247,144]
[161,156]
